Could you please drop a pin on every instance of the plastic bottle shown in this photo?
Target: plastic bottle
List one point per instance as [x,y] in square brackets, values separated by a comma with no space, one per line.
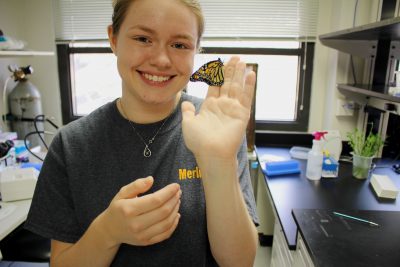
[315,157]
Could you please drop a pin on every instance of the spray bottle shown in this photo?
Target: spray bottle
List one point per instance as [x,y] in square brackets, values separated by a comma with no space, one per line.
[315,157]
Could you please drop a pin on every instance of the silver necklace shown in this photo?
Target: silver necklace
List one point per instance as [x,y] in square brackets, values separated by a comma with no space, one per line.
[146,151]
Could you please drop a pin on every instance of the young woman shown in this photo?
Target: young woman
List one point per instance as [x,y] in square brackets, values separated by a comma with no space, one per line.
[156,177]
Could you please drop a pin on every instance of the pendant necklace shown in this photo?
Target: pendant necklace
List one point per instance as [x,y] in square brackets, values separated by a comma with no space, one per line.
[146,151]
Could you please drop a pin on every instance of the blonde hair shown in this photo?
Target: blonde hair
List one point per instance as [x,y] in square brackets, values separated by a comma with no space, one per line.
[121,6]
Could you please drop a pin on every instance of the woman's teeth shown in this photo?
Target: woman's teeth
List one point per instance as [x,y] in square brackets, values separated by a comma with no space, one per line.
[155,78]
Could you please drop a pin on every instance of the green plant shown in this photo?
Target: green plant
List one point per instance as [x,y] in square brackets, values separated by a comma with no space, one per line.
[365,146]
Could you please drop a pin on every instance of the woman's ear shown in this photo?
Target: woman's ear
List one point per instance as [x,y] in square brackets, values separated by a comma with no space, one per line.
[112,38]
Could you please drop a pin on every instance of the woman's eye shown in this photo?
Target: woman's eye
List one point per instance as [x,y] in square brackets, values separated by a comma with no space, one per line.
[141,39]
[180,46]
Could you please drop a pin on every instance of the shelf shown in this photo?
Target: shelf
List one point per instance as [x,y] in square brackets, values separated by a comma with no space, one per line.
[362,40]
[24,53]
[364,95]
[367,90]
[388,29]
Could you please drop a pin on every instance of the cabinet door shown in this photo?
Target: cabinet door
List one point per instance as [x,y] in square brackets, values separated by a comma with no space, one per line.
[281,256]
[302,257]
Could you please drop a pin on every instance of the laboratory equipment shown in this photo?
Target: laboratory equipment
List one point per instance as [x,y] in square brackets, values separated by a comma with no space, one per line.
[25,105]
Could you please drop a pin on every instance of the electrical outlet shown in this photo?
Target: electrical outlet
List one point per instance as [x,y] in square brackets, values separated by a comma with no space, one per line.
[344,108]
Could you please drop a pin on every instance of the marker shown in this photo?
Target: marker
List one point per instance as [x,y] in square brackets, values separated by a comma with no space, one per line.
[355,218]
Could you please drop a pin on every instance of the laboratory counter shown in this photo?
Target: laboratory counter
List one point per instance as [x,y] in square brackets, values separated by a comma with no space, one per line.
[334,240]
[345,193]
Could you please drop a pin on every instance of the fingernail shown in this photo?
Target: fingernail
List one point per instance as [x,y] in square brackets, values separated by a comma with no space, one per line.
[177,188]
[149,179]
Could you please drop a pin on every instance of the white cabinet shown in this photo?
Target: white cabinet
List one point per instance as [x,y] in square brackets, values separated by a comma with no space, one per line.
[301,256]
[265,210]
[281,255]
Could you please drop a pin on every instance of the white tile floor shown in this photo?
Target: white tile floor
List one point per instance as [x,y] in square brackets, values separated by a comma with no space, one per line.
[263,257]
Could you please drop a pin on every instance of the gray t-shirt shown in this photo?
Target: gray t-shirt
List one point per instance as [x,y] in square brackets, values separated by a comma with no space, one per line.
[90,159]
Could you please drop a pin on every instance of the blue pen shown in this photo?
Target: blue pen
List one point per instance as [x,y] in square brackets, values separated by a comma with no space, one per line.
[355,218]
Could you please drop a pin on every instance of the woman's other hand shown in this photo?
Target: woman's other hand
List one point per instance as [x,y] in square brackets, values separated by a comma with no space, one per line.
[141,220]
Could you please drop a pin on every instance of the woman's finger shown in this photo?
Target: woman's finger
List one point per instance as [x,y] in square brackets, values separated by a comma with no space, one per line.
[229,71]
[213,91]
[162,229]
[135,188]
[188,111]
[248,93]
[162,225]
[154,200]
[167,234]
[146,220]
[237,84]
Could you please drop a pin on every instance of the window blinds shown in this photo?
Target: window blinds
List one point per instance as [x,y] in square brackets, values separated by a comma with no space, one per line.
[261,19]
[82,19]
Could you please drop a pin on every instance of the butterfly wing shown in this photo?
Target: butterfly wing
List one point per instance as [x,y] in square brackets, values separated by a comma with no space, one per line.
[211,73]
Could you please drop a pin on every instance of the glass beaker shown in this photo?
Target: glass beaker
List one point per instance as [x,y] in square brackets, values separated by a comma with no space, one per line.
[361,166]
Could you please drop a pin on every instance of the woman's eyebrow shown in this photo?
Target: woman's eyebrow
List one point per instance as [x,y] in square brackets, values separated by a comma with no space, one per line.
[183,36]
[142,27]
[151,31]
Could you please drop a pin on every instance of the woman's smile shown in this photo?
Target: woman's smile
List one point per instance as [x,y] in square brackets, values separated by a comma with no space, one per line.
[159,80]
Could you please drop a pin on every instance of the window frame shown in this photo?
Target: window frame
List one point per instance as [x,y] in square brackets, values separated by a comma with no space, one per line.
[64,52]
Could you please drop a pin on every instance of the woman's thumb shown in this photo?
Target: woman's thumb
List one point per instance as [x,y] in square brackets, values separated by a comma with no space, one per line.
[188,110]
[135,188]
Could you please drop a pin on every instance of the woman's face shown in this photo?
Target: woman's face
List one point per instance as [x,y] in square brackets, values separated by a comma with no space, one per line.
[155,49]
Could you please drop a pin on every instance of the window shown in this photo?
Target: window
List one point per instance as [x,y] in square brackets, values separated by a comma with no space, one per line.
[89,79]
[284,68]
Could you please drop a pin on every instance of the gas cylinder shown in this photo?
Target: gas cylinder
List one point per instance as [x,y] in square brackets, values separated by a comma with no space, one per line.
[25,104]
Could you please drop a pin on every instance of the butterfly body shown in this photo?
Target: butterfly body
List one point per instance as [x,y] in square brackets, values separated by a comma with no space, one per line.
[211,73]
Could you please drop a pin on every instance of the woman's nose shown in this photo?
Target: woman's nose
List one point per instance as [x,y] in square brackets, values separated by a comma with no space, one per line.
[160,57]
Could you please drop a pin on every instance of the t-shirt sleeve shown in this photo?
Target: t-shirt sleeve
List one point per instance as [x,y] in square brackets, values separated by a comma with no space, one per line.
[51,214]
[245,182]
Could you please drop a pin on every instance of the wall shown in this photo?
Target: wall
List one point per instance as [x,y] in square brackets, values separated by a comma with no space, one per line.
[10,25]
[36,28]
[331,66]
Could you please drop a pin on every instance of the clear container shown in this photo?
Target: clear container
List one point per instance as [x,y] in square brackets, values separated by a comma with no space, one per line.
[361,166]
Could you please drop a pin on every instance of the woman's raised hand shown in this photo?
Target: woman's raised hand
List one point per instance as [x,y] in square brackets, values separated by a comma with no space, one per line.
[218,129]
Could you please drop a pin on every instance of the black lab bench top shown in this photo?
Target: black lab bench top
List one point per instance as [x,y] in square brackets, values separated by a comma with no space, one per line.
[295,191]
[333,240]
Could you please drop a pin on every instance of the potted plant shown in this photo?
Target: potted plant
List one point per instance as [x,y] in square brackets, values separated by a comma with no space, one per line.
[364,150]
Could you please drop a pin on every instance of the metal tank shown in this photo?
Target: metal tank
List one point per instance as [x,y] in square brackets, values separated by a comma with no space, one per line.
[25,104]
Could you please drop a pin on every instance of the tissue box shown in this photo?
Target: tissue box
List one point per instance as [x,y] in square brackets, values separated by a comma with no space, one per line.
[383,186]
[18,184]
[330,167]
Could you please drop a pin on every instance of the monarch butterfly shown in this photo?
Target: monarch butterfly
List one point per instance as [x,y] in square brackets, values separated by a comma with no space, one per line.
[210,73]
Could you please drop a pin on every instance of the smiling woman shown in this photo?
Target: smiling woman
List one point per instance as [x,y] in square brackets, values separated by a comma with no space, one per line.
[155,170]
[155,51]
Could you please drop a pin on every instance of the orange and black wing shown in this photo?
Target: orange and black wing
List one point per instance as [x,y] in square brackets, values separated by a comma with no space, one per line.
[211,73]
